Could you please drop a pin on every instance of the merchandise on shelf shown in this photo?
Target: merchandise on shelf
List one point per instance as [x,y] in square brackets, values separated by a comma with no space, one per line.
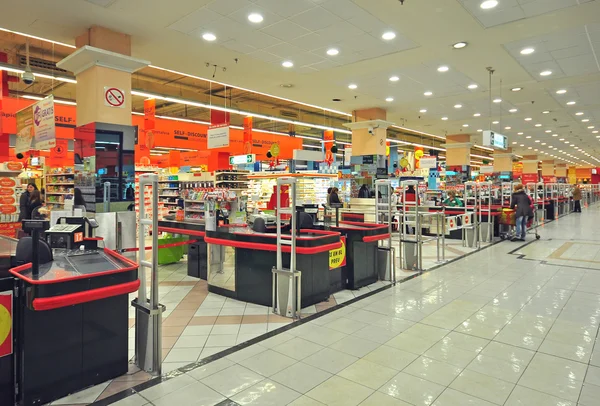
[169,192]
[235,180]
[60,185]
[9,203]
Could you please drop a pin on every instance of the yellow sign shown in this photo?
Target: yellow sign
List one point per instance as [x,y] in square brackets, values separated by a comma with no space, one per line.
[337,258]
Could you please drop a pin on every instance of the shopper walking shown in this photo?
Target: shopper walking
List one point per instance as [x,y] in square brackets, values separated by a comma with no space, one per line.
[577,199]
[24,211]
[522,205]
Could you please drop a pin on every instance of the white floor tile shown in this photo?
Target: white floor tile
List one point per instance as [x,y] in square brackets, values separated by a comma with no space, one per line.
[368,374]
[196,394]
[522,396]
[301,377]
[210,368]
[183,355]
[482,386]
[232,380]
[413,390]
[330,360]
[433,370]
[391,357]
[298,348]
[88,395]
[267,362]
[266,393]
[338,391]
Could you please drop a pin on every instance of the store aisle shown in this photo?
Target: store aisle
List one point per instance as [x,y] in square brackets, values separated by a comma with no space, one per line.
[494,328]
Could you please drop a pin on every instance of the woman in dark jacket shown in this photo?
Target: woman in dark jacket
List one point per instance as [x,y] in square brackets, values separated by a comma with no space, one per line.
[35,201]
[521,203]
[333,196]
[24,211]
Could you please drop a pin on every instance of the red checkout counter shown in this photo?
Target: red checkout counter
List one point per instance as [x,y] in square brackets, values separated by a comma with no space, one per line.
[69,323]
[237,262]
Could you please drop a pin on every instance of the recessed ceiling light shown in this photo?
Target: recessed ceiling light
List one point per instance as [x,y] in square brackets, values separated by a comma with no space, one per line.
[546,73]
[352,86]
[473,86]
[514,142]
[548,131]
[389,35]
[507,128]
[444,118]
[538,125]
[443,68]
[516,89]
[570,103]
[519,133]
[457,106]
[389,99]
[477,115]
[590,127]
[333,51]
[561,139]
[465,125]
[529,147]
[585,120]
[543,143]
[545,111]
[428,93]
[513,110]
[528,119]
[498,100]
[595,132]
[495,122]
[208,36]
[423,111]
[394,78]
[537,140]
[459,45]
[561,91]
[528,137]
[579,113]
[287,64]
[479,130]
[488,4]
[555,135]
[255,18]
[522,145]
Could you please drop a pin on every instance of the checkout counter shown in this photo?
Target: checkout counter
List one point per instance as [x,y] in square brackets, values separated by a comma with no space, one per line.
[70,314]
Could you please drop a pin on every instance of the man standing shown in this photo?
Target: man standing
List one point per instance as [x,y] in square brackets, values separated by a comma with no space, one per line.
[577,199]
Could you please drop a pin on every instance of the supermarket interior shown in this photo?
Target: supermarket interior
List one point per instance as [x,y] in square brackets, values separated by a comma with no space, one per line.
[299,202]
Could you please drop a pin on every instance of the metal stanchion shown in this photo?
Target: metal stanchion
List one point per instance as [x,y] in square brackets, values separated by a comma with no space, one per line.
[148,312]
[286,288]
[383,215]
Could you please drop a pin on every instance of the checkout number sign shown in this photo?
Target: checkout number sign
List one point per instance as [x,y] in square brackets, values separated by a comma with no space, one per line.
[6,312]
[337,258]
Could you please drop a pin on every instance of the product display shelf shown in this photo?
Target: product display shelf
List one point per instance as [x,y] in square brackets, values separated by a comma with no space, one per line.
[59,188]
[169,190]
[9,203]
[147,197]
[234,180]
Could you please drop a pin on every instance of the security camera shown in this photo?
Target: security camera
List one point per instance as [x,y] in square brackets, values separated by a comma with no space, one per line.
[371,130]
[28,77]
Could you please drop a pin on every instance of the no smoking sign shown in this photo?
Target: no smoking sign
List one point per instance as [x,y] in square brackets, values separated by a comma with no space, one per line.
[114,97]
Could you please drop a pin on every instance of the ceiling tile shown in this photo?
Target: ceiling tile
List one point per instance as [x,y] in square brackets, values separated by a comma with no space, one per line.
[315,19]
[369,23]
[309,42]
[195,20]
[286,8]
[284,50]
[241,16]
[238,47]
[285,30]
[339,31]
[225,7]
[579,65]
[306,58]
[265,56]
[258,39]
[344,9]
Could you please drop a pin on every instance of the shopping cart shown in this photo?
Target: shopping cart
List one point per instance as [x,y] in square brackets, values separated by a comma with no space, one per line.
[508,225]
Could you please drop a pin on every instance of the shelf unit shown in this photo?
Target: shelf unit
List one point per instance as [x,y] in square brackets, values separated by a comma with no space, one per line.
[60,187]
[193,210]
[169,191]
[233,180]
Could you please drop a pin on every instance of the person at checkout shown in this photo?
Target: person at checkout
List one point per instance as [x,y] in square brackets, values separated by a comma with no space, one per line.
[452,200]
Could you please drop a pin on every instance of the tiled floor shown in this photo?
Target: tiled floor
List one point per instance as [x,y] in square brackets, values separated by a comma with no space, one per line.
[494,328]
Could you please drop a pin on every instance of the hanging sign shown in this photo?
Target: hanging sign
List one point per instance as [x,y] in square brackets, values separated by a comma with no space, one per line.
[428,162]
[149,114]
[114,97]
[217,136]
[486,169]
[24,130]
[44,129]
[6,324]
[242,159]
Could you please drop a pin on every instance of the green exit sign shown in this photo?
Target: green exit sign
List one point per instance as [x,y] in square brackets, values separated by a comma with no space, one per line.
[242,159]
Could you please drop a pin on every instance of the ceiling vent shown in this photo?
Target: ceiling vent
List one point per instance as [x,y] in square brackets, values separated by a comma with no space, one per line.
[39,64]
[288,114]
